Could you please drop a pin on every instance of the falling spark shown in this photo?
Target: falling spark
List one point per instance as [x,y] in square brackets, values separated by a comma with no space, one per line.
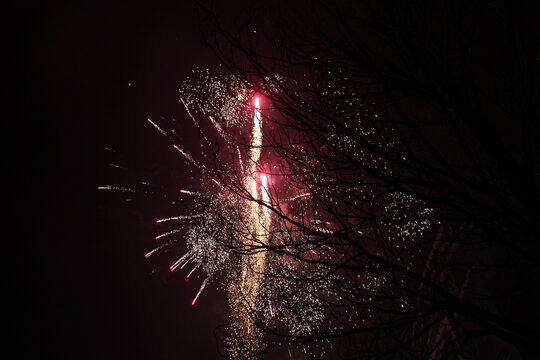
[168,233]
[181,262]
[200,290]
[187,156]
[157,127]
[241,164]
[298,197]
[218,128]
[147,255]
[189,192]
[117,166]
[116,188]
[185,217]
[195,268]
[217,183]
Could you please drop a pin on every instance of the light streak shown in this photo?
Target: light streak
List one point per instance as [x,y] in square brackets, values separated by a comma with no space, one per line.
[168,233]
[245,294]
[195,268]
[147,255]
[298,197]
[218,128]
[183,217]
[187,156]
[157,127]
[116,188]
[189,192]
[200,290]
[181,262]
[240,163]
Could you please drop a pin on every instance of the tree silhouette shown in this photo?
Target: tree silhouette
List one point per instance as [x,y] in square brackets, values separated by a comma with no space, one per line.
[400,171]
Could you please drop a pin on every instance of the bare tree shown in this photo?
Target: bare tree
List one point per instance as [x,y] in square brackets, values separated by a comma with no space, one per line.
[396,211]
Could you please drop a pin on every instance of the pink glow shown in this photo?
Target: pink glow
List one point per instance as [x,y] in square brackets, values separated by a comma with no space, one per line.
[264,179]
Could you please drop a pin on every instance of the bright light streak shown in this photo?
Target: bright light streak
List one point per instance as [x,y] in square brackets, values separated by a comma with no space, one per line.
[182,261]
[187,156]
[200,290]
[191,272]
[298,197]
[157,127]
[189,192]
[147,255]
[167,233]
[244,294]
[186,217]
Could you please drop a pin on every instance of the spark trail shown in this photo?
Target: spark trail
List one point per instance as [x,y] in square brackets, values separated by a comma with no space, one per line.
[243,294]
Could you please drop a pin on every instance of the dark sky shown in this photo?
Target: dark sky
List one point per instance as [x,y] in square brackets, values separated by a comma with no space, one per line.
[88,291]
[92,73]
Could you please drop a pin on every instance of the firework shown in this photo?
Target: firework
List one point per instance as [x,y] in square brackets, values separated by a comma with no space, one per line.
[244,293]
[277,270]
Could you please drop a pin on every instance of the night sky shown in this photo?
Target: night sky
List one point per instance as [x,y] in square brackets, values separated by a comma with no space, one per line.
[92,75]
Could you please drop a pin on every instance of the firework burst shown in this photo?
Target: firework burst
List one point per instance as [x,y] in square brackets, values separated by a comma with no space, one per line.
[257,226]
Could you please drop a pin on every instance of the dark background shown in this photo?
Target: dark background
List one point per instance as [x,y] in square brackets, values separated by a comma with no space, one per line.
[92,74]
